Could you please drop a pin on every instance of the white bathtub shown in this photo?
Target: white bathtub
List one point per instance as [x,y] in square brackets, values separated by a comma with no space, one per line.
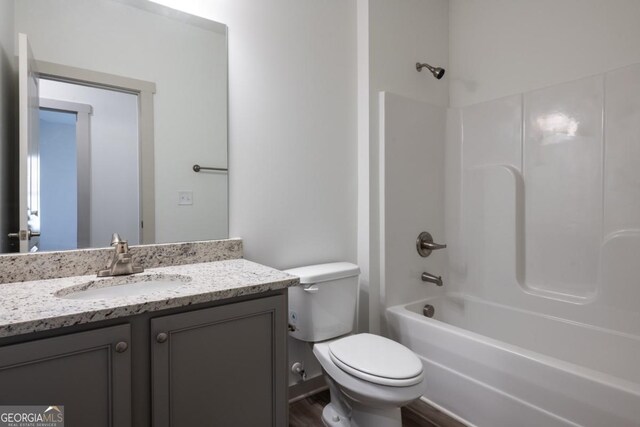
[495,366]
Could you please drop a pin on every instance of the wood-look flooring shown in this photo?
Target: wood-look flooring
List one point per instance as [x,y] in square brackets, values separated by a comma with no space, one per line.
[308,413]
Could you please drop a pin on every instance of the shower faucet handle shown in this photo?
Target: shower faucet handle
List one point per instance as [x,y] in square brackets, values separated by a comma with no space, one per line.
[425,244]
[433,246]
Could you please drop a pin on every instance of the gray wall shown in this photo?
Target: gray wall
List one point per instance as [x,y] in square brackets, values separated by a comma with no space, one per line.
[8,88]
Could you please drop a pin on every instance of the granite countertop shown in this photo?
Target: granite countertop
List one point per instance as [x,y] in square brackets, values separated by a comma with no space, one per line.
[27,307]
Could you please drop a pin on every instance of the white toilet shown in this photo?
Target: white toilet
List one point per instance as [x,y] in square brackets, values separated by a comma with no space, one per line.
[370,377]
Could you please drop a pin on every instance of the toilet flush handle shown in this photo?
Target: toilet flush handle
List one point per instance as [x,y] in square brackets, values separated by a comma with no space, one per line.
[312,289]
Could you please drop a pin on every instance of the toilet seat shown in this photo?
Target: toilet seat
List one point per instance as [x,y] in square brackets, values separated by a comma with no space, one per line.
[376,359]
[363,391]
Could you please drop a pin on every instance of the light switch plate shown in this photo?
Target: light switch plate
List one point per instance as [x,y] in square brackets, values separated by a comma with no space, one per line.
[185,198]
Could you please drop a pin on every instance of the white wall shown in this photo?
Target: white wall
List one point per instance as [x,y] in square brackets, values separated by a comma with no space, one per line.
[292,100]
[115,185]
[400,34]
[292,87]
[501,48]
[190,107]
[412,149]
[8,83]
[364,259]
[541,191]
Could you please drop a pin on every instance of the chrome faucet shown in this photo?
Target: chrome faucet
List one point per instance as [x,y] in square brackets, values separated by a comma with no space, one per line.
[122,262]
[426,277]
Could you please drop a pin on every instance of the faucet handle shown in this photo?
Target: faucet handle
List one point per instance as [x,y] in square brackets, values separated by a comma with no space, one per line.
[122,262]
[115,239]
[122,247]
[425,244]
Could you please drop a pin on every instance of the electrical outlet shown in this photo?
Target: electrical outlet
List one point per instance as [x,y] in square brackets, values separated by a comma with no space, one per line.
[185,198]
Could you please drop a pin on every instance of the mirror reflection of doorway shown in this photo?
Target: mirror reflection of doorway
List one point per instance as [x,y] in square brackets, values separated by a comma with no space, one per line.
[88,145]
[59,198]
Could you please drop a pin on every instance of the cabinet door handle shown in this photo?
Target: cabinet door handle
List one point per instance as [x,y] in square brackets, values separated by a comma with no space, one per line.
[162,337]
[121,347]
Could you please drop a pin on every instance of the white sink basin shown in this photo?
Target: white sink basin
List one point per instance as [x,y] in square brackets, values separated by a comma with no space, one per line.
[124,287]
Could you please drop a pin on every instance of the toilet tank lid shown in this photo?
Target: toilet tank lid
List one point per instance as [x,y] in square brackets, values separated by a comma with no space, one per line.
[324,272]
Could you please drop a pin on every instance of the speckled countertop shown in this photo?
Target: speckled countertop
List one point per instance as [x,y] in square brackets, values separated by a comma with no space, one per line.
[40,305]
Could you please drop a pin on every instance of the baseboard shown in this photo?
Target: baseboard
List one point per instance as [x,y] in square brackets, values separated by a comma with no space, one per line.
[307,388]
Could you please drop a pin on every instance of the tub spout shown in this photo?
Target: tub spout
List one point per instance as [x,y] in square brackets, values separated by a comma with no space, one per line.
[426,277]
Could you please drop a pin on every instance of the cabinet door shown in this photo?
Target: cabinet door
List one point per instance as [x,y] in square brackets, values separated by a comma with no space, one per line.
[83,372]
[223,366]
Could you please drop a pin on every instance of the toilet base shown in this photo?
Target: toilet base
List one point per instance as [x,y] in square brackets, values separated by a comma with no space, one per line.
[362,417]
[343,411]
[331,417]
[366,416]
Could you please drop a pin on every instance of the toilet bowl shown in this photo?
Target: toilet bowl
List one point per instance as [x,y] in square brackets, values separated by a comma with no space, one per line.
[368,390]
[370,377]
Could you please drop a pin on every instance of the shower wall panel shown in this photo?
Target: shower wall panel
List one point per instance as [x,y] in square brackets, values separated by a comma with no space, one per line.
[548,184]
[563,187]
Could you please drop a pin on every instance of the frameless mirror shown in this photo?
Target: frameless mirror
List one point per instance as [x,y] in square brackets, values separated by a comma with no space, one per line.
[122,125]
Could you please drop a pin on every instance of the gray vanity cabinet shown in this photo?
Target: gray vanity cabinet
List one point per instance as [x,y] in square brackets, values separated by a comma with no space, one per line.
[221,366]
[87,372]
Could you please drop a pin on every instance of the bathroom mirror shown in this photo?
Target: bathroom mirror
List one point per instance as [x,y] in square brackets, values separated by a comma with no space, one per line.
[119,100]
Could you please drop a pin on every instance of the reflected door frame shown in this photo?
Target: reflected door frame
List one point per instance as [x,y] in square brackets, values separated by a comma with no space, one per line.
[28,151]
[145,91]
[83,147]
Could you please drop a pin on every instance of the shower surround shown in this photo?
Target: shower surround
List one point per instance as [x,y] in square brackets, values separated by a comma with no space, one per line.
[542,219]
[549,201]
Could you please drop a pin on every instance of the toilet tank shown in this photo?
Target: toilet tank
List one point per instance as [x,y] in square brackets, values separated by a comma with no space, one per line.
[323,306]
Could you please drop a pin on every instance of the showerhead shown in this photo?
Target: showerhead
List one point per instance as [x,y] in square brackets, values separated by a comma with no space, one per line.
[436,71]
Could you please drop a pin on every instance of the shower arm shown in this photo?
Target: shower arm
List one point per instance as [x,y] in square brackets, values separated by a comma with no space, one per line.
[437,72]
[420,66]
